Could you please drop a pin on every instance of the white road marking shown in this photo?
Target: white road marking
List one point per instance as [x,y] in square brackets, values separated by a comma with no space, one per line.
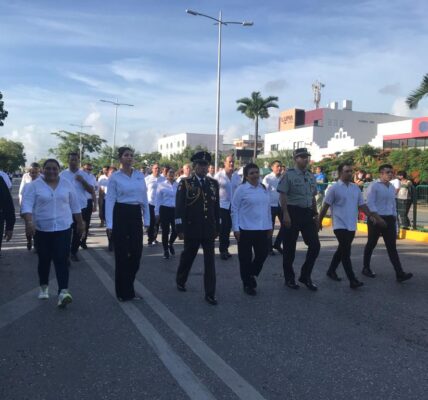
[243,389]
[180,371]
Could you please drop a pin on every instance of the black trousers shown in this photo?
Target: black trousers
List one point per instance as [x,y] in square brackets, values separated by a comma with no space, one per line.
[86,216]
[301,221]
[2,221]
[152,232]
[276,212]
[225,228]
[128,247]
[53,246]
[389,235]
[167,221]
[75,238]
[191,247]
[343,252]
[250,266]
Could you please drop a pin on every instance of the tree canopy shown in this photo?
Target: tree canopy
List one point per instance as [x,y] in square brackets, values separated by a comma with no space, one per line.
[69,142]
[12,155]
[3,112]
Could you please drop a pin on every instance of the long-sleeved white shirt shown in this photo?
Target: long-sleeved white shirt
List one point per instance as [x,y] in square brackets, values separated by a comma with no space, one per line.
[90,178]
[127,190]
[78,187]
[227,187]
[152,185]
[52,209]
[165,195]
[251,208]
[381,198]
[271,182]
[26,179]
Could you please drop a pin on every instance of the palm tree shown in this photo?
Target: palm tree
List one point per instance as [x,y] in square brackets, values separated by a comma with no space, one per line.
[256,107]
[417,95]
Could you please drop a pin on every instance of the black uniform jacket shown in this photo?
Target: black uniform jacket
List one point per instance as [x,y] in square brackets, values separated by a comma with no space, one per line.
[6,205]
[197,209]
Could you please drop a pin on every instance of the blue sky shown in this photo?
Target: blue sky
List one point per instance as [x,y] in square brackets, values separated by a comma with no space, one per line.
[58,58]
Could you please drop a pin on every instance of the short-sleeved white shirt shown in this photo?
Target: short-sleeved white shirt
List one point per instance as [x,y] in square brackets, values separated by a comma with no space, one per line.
[344,201]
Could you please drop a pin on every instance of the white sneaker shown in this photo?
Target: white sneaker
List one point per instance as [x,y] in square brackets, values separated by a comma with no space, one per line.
[64,298]
[43,293]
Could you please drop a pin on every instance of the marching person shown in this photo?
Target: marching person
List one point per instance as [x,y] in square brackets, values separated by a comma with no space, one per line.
[7,213]
[228,181]
[165,212]
[322,182]
[297,198]
[404,199]
[197,219]
[211,171]
[186,172]
[152,182]
[381,199]
[271,182]
[51,202]
[345,198]
[91,203]
[126,206]
[31,175]
[78,179]
[252,226]
[102,184]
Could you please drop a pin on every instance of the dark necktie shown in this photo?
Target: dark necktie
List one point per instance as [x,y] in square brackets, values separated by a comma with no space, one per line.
[203,183]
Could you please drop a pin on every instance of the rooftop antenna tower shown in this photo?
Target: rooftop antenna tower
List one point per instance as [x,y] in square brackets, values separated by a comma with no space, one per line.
[316,89]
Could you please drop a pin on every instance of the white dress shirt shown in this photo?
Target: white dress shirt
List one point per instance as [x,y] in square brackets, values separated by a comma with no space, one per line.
[127,190]
[78,187]
[227,187]
[381,198]
[344,201]
[271,182]
[251,208]
[165,195]
[152,186]
[90,178]
[102,182]
[6,179]
[52,209]
[26,179]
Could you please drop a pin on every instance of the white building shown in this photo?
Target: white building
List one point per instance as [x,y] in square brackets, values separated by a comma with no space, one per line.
[175,144]
[327,131]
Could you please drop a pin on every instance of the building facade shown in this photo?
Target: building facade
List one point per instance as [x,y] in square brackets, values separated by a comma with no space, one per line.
[327,131]
[175,144]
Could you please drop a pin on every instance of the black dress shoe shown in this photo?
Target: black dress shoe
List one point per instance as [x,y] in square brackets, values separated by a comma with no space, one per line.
[181,287]
[224,256]
[228,254]
[278,249]
[368,272]
[166,255]
[253,282]
[292,284]
[84,246]
[308,283]
[355,283]
[405,276]
[250,290]
[272,253]
[211,300]
[171,249]
[332,275]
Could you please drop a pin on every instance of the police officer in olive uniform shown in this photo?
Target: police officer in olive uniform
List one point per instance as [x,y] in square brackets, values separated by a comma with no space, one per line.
[197,220]
[297,189]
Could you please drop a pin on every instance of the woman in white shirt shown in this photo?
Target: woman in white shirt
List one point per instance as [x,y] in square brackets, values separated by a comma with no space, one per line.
[165,210]
[126,203]
[252,226]
[52,202]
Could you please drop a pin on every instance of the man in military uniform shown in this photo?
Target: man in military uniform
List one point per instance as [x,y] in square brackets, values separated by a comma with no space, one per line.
[197,220]
[297,189]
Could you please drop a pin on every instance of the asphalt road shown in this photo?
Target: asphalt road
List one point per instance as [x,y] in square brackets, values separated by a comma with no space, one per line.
[282,344]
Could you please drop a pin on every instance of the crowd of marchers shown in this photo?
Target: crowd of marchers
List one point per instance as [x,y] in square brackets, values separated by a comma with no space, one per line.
[198,205]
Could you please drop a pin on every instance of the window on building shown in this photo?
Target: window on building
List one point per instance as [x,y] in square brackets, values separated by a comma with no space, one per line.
[160,147]
[178,144]
[170,146]
[387,144]
[167,145]
[182,143]
[411,143]
[403,142]
[422,143]
[274,147]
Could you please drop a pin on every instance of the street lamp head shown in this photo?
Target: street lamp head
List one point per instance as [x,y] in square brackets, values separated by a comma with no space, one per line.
[191,12]
[247,23]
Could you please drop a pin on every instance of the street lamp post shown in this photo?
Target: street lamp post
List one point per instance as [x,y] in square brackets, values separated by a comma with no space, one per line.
[220,23]
[117,105]
[81,126]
